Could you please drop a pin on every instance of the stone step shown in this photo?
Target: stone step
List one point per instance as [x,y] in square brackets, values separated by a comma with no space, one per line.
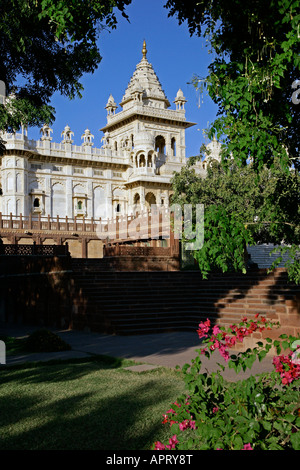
[143,302]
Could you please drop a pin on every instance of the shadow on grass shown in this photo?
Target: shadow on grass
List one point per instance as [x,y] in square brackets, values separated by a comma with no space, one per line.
[84,405]
[59,370]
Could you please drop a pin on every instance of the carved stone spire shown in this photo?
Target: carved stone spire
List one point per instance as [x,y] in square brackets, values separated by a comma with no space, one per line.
[146,82]
[144,50]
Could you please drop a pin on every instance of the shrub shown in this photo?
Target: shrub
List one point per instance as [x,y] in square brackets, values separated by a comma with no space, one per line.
[45,341]
[258,413]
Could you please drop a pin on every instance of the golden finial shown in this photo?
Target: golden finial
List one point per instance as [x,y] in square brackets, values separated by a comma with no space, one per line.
[144,51]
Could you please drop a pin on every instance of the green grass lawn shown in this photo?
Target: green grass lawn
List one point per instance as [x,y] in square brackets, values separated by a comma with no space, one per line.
[92,404]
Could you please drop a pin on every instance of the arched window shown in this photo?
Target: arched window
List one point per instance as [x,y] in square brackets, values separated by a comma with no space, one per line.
[36,202]
[142,161]
[150,200]
[136,199]
[160,144]
[173,146]
[79,205]
[118,207]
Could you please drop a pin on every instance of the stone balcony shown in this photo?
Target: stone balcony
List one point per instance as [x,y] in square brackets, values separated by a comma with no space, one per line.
[63,150]
[141,109]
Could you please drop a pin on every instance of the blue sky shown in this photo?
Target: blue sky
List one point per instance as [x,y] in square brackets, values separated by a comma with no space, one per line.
[174,55]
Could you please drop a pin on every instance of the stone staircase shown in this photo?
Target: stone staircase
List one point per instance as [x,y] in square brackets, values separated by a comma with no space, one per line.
[131,303]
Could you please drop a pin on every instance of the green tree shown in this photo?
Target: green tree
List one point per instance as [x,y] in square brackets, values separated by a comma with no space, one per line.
[46,46]
[255,46]
[241,210]
[252,77]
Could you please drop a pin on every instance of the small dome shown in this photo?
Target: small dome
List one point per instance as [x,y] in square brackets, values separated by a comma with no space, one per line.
[111,102]
[144,140]
[180,96]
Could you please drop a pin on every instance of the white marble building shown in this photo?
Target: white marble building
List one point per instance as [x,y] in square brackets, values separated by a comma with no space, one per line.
[142,145]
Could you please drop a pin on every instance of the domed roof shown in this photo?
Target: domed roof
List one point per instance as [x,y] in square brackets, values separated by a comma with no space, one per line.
[145,79]
[144,139]
[179,96]
[111,102]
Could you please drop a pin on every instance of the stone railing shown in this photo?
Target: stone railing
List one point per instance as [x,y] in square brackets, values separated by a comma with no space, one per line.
[174,115]
[21,142]
[128,250]
[142,225]
[34,250]
[10,222]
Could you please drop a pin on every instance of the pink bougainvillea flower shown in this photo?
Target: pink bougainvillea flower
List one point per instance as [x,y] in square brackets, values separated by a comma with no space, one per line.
[247,447]
[177,404]
[224,353]
[187,424]
[204,328]
[288,370]
[171,411]
[184,425]
[172,442]
[159,446]
[230,341]
[214,346]
[216,330]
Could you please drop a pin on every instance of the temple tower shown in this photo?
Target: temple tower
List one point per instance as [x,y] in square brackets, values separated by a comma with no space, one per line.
[149,135]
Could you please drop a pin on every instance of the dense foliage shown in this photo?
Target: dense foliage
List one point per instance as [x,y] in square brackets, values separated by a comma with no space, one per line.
[44,340]
[252,77]
[258,413]
[241,209]
[256,60]
[46,46]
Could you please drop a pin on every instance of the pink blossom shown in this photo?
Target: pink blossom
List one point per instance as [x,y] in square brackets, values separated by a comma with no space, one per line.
[177,404]
[159,446]
[216,329]
[172,442]
[203,329]
[288,370]
[187,424]
[224,353]
[214,346]
[171,410]
[230,341]
[247,447]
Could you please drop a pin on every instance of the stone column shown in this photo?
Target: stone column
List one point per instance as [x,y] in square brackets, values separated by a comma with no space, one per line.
[109,207]
[168,146]
[69,197]
[182,145]
[142,198]
[48,195]
[89,201]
